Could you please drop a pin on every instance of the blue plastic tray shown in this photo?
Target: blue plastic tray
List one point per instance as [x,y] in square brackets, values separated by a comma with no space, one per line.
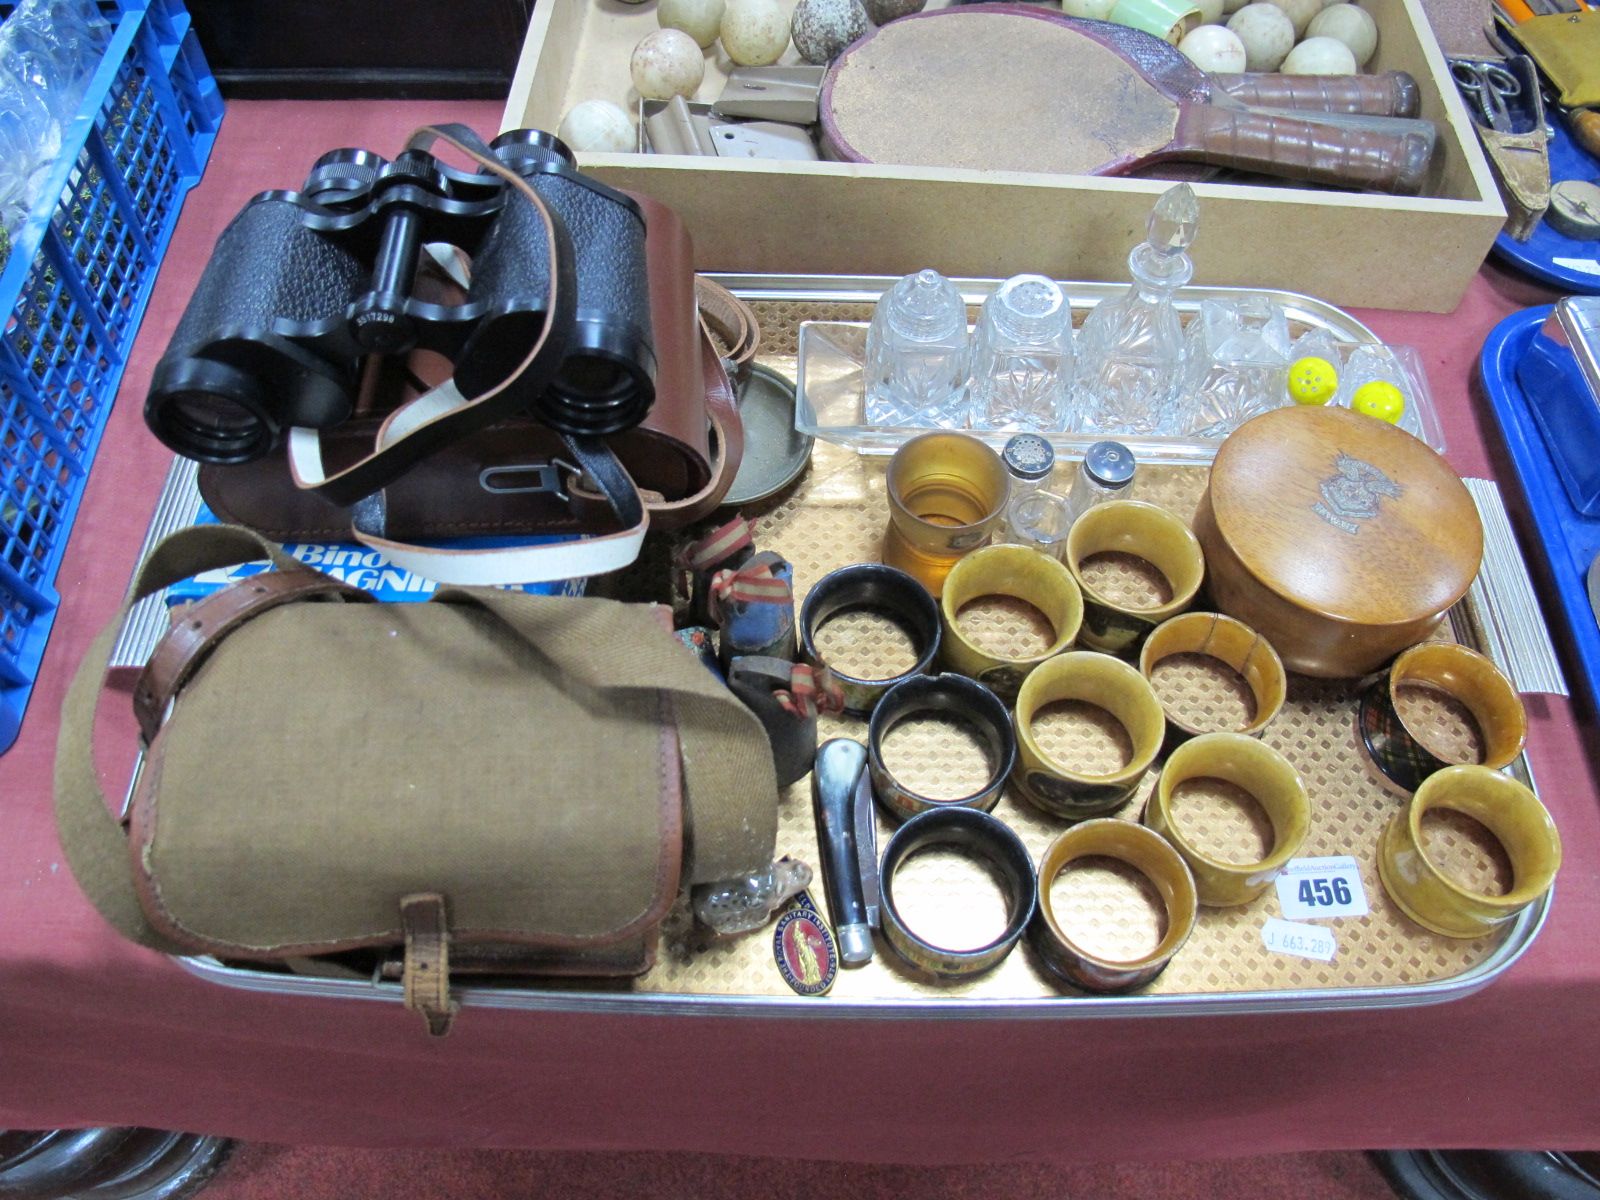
[1536,255]
[1569,539]
[72,293]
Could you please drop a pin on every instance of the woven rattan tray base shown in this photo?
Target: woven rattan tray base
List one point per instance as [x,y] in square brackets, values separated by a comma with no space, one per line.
[836,515]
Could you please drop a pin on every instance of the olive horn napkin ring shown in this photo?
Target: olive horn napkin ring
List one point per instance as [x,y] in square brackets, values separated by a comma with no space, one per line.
[1019,573]
[1061,789]
[1271,781]
[1230,642]
[1510,811]
[1145,531]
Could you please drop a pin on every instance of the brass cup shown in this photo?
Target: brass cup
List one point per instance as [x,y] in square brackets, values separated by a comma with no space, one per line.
[1021,573]
[1056,787]
[1228,641]
[1147,854]
[1464,675]
[1151,533]
[1268,777]
[1509,811]
[947,492]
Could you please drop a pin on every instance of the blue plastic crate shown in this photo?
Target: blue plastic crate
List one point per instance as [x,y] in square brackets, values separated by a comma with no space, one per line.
[74,288]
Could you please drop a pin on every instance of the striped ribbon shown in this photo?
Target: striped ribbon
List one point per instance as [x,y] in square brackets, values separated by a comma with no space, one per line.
[753,583]
[717,546]
[811,690]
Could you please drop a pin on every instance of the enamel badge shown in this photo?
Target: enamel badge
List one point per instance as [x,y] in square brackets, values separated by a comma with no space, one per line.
[804,949]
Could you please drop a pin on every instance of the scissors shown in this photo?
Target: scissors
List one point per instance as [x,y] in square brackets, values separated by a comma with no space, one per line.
[1487,86]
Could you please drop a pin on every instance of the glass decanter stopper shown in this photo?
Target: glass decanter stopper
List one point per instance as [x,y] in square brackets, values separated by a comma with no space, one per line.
[916,369]
[1130,352]
[1022,357]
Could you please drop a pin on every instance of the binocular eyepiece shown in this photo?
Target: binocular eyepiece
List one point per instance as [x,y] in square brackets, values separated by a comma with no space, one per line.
[304,285]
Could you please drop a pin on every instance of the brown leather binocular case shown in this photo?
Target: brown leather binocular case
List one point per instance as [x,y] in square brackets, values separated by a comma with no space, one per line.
[511,479]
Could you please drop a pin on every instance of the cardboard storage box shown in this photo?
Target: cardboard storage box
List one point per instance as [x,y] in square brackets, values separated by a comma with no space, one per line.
[1346,247]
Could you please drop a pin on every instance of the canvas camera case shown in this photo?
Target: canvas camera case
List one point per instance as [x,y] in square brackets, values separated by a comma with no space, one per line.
[522,781]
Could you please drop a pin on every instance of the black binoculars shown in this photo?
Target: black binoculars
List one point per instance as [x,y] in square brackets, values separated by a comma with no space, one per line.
[303,286]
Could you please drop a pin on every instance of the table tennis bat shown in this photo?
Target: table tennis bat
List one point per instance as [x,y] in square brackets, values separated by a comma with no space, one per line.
[1011,87]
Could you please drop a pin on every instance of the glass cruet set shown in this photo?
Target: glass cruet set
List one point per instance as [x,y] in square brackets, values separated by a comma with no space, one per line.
[1131,370]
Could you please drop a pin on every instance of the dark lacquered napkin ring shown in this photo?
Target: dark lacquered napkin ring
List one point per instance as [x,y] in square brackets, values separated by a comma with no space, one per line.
[946,696]
[1465,676]
[877,588]
[980,836]
[1150,855]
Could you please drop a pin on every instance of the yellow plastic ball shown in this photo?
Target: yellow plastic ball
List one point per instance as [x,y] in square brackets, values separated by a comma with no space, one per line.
[1380,399]
[1312,381]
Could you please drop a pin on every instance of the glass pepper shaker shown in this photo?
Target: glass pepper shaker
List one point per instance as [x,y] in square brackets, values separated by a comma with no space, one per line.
[917,355]
[1022,356]
[1029,459]
[1106,473]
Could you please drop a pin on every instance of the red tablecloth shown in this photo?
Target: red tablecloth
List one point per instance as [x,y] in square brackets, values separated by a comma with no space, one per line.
[96,1031]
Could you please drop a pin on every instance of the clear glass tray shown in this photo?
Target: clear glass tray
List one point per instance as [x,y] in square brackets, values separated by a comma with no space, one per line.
[830,397]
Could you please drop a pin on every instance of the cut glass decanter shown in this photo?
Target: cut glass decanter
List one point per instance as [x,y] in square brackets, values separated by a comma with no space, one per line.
[1130,352]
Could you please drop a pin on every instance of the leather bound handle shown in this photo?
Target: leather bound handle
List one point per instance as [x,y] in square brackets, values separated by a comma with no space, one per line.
[1391,94]
[1584,125]
[1340,154]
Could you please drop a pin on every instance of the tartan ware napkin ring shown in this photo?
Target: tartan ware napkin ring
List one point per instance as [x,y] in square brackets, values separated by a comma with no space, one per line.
[1463,675]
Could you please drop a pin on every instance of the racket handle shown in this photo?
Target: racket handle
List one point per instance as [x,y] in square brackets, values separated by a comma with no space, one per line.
[1391,94]
[1348,154]
[1584,126]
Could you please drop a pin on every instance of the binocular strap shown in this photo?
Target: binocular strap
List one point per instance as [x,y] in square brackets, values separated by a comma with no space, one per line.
[541,562]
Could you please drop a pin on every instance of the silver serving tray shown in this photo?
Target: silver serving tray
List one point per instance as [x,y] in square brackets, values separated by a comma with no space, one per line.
[1518,936]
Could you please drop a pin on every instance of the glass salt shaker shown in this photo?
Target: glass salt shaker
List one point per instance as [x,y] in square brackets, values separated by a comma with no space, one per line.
[1039,520]
[1034,517]
[1237,364]
[1022,356]
[1106,473]
[917,355]
[1130,351]
[1029,459]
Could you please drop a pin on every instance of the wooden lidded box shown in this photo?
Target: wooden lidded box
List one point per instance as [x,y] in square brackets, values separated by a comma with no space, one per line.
[1350,248]
[1338,537]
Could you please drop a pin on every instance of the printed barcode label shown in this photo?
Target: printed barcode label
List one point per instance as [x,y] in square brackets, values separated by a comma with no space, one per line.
[1304,941]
